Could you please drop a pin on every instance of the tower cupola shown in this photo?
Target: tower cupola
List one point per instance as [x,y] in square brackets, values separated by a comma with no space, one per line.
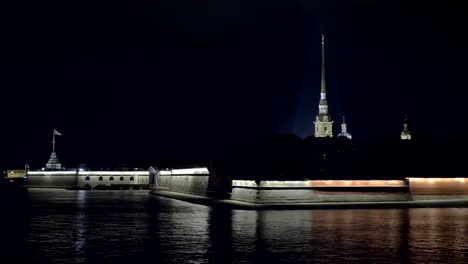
[344,132]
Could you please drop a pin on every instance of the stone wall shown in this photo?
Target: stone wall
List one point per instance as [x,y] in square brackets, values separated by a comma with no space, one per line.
[113,178]
[45,179]
[71,179]
[194,181]
[319,191]
[164,180]
[438,188]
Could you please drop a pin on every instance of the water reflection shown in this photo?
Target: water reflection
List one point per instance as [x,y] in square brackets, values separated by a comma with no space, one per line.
[351,236]
[438,233]
[124,227]
[220,235]
[80,228]
[14,226]
[181,232]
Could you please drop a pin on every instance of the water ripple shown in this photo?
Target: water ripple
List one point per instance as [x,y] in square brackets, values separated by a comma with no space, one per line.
[55,226]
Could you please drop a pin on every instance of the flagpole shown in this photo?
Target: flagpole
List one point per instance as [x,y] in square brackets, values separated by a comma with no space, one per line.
[53,140]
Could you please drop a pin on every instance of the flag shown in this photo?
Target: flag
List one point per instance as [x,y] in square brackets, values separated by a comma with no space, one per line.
[56,133]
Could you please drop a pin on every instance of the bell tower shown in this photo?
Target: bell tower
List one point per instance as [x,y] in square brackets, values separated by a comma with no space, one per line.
[323,122]
[344,131]
[405,134]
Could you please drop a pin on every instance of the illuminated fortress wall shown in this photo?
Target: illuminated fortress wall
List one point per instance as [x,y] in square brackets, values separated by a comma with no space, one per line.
[193,180]
[438,188]
[71,179]
[49,179]
[320,191]
[112,178]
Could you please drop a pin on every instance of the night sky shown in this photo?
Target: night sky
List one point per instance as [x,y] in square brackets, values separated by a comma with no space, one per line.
[137,82]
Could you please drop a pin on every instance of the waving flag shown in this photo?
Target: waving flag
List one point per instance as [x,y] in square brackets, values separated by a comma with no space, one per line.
[57,133]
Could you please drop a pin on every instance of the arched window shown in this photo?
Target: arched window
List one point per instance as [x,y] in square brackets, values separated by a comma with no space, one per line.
[121,178]
[100,178]
[132,179]
[111,178]
[87,178]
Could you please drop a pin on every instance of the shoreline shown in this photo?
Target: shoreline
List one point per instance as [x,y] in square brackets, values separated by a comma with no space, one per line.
[234,204]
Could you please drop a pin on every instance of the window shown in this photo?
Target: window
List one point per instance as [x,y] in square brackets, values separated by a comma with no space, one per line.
[132,179]
[121,178]
[111,178]
[87,178]
[100,178]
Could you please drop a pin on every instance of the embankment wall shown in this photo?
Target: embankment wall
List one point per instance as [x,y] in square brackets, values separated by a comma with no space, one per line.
[438,188]
[319,191]
[194,184]
[71,179]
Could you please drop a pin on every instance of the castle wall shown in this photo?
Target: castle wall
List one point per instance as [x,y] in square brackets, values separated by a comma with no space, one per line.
[194,181]
[438,188]
[71,179]
[112,178]
[319,191]
[164,179]
[49,179]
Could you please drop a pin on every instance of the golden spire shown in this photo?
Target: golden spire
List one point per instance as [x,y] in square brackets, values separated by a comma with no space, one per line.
[323,65]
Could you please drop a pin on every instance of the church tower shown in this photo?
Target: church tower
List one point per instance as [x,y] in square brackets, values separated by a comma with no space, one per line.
[54,163]
[323,122]
[344,132]
[405,134]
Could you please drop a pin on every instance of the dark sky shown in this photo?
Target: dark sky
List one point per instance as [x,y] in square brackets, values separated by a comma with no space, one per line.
[140,81]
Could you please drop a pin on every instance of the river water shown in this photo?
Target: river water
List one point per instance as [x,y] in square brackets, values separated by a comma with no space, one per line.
[58,226]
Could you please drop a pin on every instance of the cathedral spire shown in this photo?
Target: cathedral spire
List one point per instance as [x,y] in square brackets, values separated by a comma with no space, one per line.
[322,84]
[323,122]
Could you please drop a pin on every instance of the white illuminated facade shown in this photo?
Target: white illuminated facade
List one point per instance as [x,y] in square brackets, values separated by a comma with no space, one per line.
[188,171]
[323,122]
[201,170]
[86,179]
[189,180]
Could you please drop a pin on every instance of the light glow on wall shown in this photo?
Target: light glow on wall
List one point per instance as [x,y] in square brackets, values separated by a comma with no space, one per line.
[250,183]
[438,186]
[144,173]
[84,173]
[321,183]
[202,170]
[459,179]
[51,172]
[357,183]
